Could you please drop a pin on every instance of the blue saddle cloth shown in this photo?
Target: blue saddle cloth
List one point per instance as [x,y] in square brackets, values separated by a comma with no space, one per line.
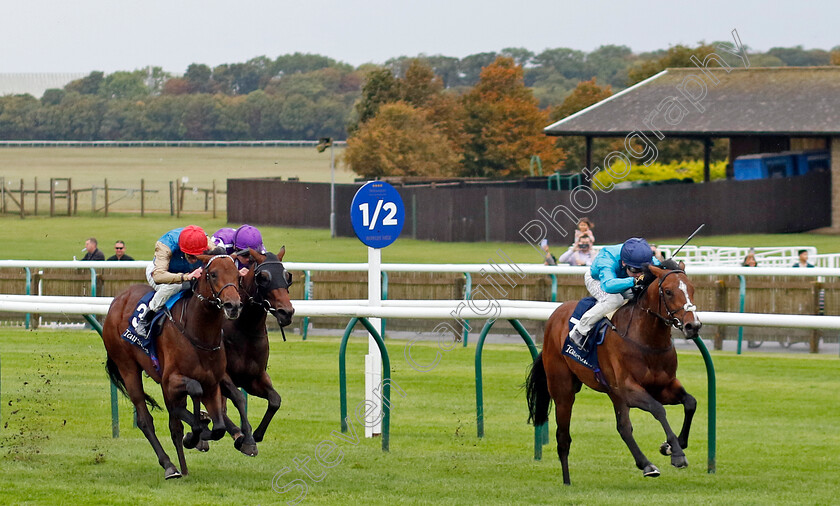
[147,344]
[588,355]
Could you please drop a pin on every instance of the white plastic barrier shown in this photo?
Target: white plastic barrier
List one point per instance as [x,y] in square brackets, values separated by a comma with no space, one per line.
[421,309]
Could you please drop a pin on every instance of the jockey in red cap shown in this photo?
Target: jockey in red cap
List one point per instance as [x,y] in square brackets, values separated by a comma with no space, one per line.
[174,264]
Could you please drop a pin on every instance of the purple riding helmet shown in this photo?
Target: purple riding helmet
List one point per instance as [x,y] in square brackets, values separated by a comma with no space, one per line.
[248,236]
[224,238]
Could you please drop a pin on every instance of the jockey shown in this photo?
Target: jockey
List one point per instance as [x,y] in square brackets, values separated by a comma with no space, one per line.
[224,238]
[174,264]
[247,236]
[614,272]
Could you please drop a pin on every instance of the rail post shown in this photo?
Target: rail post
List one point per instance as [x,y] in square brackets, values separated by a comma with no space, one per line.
[386,379]
[711,464]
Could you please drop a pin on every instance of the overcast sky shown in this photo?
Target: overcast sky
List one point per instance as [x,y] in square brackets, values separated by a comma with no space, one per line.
[86,35]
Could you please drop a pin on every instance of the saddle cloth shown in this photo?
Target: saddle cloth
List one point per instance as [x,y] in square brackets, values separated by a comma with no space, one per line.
[147,344]
[588,355]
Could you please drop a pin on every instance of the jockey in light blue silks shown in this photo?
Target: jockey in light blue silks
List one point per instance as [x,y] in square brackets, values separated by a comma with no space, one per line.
[614,272]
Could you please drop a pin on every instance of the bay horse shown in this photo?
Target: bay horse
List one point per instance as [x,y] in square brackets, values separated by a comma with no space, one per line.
[264,290]
[637,360]
[190,353]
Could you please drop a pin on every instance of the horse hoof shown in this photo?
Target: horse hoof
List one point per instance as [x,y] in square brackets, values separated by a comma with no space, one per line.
[171,472]
[650,471]
[249,450]
[217,434]
[189,441]
[258,437]
[679,461]
[203,446]
[665,449]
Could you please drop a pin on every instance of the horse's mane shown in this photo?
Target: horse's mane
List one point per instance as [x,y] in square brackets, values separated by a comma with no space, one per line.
[670,265]
[218,250]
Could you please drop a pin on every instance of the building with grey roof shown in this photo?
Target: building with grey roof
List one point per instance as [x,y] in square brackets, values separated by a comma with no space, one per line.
[759,110]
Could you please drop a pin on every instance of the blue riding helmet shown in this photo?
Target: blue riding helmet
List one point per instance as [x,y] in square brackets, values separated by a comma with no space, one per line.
[636,253]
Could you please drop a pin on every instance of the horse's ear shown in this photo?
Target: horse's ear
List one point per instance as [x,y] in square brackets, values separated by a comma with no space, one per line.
[204,258]
[256,255]
[682,265]
[656,271]
[281,253]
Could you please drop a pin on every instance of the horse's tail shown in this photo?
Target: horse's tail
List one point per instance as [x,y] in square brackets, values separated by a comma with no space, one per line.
[117,381]
[536,389]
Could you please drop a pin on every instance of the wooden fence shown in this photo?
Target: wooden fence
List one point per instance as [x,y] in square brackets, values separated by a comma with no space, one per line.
[60,198]
[770,294]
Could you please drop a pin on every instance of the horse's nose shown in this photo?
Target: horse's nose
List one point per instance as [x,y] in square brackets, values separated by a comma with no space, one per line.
[692,328]
[232,310]
[284,316]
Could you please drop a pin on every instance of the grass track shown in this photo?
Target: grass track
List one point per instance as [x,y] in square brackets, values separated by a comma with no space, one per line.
[778,434]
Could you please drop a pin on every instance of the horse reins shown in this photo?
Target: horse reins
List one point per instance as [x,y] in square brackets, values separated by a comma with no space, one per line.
[215,301]
[671,321]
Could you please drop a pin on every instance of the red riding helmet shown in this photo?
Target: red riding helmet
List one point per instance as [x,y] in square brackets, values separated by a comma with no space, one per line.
[192,240]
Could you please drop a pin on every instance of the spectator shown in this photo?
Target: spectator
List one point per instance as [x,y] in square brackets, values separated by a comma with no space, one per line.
[548,257]
[803,259]
[581,254]
[749,260]
[119,253]
[656,253]
[92,249]
[584,228]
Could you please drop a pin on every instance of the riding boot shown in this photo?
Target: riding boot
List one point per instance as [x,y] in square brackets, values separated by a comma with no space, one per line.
[144,324]
[576,337]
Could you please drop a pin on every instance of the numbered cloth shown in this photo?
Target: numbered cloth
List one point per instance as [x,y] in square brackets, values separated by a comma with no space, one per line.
[147,344]
[588,355]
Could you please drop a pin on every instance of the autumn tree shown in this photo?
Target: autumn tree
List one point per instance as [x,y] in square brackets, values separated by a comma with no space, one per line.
[585,94]
[504,125]
[400,141]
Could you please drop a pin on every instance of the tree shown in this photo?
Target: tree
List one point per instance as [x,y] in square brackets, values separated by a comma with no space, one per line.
[88,85]
[400,141]
[128,85]
[520,55]
[420,84]
[380,87]
[503,125]
[198,76]
[470,67]
[676,56]
[799,57]
[585,94]
[609,64]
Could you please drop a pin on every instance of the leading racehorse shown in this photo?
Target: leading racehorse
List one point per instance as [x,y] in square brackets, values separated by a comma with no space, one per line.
[189,350]
[637,360]
[264,290]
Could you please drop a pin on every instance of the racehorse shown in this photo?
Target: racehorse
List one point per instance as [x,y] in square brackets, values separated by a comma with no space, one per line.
[264,290]
[190,354]
[637,360]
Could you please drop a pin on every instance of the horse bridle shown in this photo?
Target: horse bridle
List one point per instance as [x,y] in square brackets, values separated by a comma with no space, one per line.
[672,320]
[262,302]
[215,300]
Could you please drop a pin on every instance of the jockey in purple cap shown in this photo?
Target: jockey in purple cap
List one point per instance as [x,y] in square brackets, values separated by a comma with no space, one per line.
[247,236]
[614,272]
[224,238]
